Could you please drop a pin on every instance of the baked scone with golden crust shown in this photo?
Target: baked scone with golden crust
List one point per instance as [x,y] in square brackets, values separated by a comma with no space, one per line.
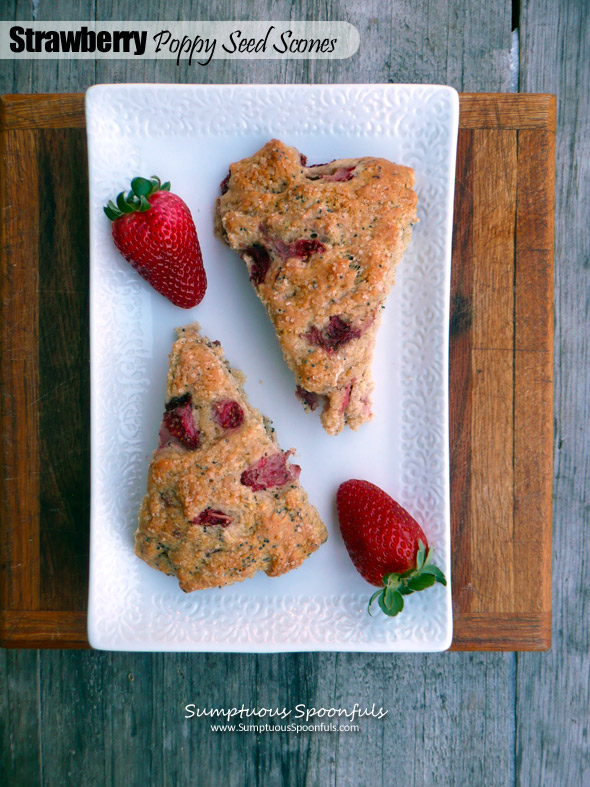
[223,501]
[321,244]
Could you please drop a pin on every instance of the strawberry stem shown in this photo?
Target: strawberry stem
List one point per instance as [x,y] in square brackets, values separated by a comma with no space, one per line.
[135,200]
[395,586]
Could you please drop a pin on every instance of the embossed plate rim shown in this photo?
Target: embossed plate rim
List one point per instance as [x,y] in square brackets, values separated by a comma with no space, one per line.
[132,610]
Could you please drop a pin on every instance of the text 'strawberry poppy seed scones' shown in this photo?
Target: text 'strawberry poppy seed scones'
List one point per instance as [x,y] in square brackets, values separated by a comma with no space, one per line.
[321,244]
[222,501]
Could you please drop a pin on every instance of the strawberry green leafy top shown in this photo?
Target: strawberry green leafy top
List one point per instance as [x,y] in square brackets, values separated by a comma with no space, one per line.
[137,198]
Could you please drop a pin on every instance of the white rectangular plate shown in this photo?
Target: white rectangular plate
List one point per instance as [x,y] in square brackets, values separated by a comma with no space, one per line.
[189,135]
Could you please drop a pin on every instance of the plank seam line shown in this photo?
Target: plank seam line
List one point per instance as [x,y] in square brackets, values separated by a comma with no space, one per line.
[514,283]
[515,679]
[39,715]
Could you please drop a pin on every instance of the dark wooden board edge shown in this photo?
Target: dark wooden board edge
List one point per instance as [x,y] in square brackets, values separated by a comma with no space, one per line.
[533,354]
[19,373]
[480,631]
[476,110]
[43,629]
[460,370]
[63,349]
[516,111]
[42,110]
[474,631]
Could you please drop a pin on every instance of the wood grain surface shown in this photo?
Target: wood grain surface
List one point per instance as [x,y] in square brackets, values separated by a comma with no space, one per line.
[90,718]
[46,560]
[553,693]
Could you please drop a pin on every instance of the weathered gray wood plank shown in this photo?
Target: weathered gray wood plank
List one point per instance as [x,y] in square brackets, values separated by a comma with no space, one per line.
[466,45]
[20,725]
[46,76]
[94,718]
[553,693]
[119,719]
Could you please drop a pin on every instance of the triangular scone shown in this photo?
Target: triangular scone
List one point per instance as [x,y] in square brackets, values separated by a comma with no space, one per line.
[222,500]
[321,245]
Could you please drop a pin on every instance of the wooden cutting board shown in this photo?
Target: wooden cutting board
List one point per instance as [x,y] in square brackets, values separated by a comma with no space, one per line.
[501,372]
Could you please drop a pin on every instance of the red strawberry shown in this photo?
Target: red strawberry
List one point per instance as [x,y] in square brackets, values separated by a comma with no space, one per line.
[228,414]
[270,471]
[211,516]
[178,422]
[387,546]
[154,230]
